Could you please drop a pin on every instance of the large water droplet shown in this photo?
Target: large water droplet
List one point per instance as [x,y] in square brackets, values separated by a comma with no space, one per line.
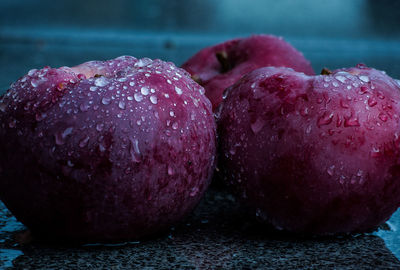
[121,105]
[153,99]
[341,78]
[138,97]
[364,78]
[144,90]
[92,88]
[106,100]
[34,83]
[178,90]
[101,81]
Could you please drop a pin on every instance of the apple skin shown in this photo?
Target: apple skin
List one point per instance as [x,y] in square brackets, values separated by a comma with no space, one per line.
[313,154]
[218,67]
[105,151]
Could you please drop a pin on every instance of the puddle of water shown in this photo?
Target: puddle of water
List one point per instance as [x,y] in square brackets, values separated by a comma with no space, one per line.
[392,236]
[7,256]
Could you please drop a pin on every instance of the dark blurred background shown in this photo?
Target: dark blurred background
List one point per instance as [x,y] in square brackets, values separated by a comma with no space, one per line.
[335,33]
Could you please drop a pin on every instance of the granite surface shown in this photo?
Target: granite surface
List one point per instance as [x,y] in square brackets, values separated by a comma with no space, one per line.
[220,234]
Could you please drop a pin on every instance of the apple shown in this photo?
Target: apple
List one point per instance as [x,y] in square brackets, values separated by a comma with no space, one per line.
[105,151]
[218,67]
[313,154]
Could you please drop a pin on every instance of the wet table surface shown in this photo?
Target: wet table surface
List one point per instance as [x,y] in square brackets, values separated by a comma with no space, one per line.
[219,234]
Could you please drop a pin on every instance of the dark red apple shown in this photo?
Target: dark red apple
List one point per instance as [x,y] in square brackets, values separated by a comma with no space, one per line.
[220,66]
[314,154]
[105,151]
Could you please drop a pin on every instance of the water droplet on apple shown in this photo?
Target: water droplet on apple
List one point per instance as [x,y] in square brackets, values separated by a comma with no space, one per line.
[138,97]
[106,100]
[144,90]
[153,99]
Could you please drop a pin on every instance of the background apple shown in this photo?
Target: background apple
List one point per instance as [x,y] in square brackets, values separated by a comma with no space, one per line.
[218,67]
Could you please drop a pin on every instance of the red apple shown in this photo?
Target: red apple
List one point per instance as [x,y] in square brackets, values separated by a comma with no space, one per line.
[314,154]
[220,66]
[105,151]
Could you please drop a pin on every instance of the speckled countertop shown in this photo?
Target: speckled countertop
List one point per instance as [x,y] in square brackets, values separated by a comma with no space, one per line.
[218,235]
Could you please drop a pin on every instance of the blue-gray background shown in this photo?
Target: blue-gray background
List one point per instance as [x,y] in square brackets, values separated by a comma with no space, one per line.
[335,33]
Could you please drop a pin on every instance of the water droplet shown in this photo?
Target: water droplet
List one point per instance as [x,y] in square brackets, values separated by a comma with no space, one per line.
[194,191]
[84,107]
[34,83]
[257,125]
[106,100]
[138,97]
[304,111]
[170,170]
[372,102]
[32,71]
[178,90]
[341,78]
[99,126]
[171,113]
[335,84]
[375,152]
[364,78]
[61,136]
[175,125]
[351,122]
[330,170]
[92,88]
[121,105]
[101,81]
[153,99]
[144,90]
[383,117]
[325,119]
[84,142]
[134,150]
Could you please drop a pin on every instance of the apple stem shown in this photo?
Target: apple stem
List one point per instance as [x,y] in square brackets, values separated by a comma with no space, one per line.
[196,78]
[326,71]
[222,57]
